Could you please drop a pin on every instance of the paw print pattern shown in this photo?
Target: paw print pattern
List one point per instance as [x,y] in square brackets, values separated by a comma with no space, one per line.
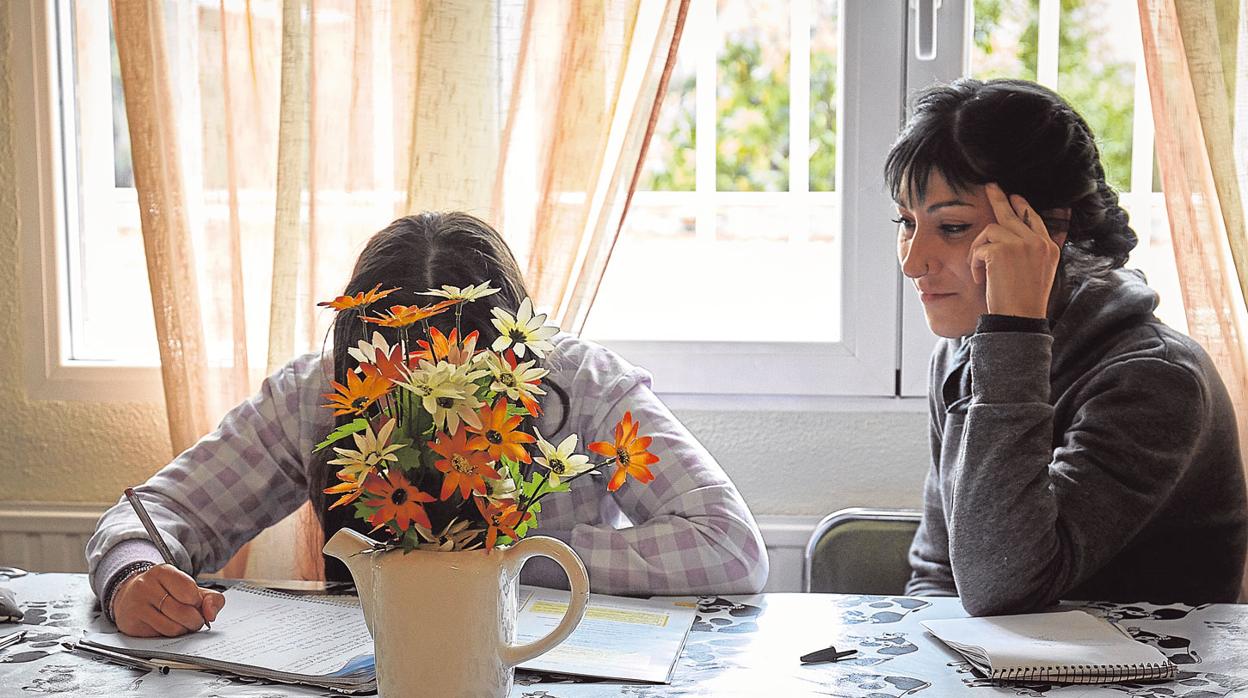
[719,615]
[1177,649]
[880,685]
[879,609]
[878,649]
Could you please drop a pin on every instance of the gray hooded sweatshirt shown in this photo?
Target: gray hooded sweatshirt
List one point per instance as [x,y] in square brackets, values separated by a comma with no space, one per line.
[1098,461]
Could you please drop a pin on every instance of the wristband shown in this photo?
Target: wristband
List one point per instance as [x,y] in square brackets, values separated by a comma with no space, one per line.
[118,580]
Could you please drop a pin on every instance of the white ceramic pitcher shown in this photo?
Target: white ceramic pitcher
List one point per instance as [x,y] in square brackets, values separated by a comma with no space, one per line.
[444,624]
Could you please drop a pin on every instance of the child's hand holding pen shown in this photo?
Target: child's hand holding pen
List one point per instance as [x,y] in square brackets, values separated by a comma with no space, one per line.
[162,600]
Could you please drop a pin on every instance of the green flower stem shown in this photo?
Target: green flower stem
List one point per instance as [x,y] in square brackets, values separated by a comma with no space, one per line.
[538,494]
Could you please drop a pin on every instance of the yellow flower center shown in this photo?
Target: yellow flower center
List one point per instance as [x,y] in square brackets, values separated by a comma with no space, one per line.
[422,390]
[507,379]
[557,466]
[621,456]
[461,464]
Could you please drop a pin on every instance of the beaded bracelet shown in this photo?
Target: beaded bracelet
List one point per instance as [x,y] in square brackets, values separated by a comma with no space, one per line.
[118,580]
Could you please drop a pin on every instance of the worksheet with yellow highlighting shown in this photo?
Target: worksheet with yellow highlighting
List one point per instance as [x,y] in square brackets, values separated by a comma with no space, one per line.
[619,638]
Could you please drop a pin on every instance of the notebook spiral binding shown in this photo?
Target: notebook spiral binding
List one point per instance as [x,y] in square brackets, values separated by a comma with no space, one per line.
[328,600]
[1089,673]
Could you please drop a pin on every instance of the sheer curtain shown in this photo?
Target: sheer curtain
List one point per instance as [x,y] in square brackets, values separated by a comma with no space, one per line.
[270,139]
[1196,54]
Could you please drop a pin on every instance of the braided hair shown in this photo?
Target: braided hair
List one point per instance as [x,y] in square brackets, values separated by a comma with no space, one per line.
[1030,141]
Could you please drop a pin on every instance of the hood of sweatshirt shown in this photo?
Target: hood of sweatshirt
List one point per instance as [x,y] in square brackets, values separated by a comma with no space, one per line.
[1091,310]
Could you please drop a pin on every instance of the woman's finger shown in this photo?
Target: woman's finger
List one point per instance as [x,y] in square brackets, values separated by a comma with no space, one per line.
[977,258]
[1013,212]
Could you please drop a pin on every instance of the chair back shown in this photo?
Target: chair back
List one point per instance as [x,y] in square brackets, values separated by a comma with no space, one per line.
[861,551]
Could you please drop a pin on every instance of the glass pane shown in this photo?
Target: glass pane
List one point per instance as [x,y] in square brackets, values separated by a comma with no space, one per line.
[823,59]
[1096,74]
[1005,39]
[752,96]
[109,300]
[670,159]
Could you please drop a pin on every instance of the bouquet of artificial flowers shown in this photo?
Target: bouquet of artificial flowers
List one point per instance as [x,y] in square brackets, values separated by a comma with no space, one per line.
[445,453]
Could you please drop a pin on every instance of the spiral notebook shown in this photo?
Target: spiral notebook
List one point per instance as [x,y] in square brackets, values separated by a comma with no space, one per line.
[1067,647]
[320,641]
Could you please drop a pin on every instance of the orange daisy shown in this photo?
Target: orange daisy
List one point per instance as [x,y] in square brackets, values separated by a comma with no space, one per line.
[398,499]
[349,488]
[629,452]
[390,366]
[357,395]
[464,467]
[404,315]
[498,433]
[359,299]
[502,517]
[444,348]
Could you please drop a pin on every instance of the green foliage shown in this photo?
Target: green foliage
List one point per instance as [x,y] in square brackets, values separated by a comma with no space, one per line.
[672,150]
[356,425]
[752,120]
[822,122]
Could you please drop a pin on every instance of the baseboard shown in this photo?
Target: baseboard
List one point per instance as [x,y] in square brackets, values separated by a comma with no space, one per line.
[52,537]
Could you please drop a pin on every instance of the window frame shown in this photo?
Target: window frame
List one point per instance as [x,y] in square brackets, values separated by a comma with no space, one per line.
[50,371]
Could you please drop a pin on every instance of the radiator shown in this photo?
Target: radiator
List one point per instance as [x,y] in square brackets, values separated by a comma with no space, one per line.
[48,538]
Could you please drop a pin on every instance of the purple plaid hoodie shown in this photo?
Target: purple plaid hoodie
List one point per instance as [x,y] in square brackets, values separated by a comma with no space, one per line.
[687,532]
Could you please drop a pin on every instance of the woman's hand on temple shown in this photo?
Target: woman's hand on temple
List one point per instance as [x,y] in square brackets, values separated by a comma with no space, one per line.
[1016,257]
[164,601]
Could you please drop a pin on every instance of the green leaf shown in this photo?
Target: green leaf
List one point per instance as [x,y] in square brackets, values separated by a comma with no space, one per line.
[529,487]
[355,425]
[530,523]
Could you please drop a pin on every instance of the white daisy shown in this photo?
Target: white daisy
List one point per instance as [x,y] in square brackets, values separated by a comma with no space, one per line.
[560,460]
[518,382]
[523,331]
[467,293]
[459,401]
[367,352]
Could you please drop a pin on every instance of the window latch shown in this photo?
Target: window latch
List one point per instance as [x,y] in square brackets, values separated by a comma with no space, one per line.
[925,28]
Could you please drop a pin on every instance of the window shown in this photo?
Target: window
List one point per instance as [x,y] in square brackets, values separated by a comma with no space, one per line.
[758,242]
[760,231]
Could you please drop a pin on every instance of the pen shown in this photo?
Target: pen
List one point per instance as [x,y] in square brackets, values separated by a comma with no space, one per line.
[12,639]
[153,533]
[116,657]
[826,655]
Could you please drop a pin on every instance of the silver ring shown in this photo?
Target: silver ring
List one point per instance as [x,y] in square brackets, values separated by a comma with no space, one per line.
[161,606]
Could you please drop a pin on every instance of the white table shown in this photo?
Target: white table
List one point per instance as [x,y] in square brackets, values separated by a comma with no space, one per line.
[740,646]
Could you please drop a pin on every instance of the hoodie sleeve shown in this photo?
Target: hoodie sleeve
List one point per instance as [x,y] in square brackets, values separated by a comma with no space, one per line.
[1028,520]
[691,532]
[219,493]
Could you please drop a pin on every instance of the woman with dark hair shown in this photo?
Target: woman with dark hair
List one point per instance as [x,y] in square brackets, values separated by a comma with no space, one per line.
[1080,448]
[687,532]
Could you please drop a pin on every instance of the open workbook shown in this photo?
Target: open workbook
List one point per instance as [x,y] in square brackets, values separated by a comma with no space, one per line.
[1067,647]
[323,641]
[320,641]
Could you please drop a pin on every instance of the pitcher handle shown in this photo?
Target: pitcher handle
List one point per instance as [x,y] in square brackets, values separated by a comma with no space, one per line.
[578,581]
